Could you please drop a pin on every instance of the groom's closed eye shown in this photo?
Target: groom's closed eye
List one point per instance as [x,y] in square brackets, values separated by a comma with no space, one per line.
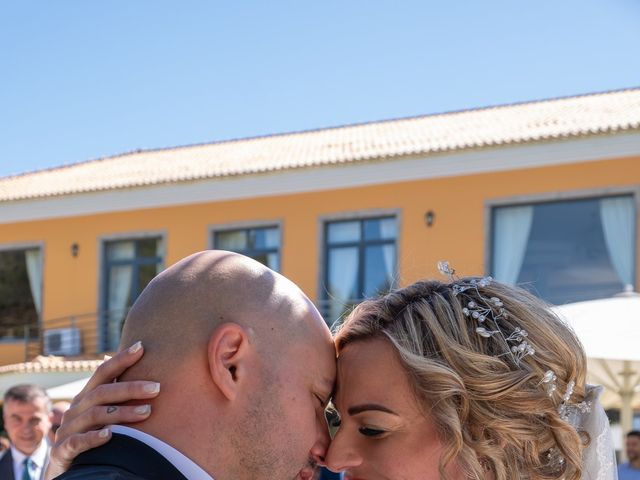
[371,432]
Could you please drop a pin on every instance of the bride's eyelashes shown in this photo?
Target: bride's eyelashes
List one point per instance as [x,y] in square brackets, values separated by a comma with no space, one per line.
[371,432]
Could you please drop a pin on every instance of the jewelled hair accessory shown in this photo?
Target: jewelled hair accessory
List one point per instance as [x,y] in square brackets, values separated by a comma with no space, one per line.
[587,416]
[489,313]
[569,412]
[574,414]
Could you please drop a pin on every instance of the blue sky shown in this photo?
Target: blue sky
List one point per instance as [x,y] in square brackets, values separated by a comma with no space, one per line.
[87,79]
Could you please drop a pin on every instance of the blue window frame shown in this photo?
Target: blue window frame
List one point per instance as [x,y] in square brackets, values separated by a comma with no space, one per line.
[360,262]
[129,265]
[260,243]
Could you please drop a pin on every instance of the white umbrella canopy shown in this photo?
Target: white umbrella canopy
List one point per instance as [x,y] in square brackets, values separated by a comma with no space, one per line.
[47,380]
[609,330]
[68,390]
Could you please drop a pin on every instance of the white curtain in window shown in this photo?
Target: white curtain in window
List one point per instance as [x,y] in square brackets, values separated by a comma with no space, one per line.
[33,260]
[120,279]
[512,226]
[389,255]
[618,224]
[388,229]
[343,276]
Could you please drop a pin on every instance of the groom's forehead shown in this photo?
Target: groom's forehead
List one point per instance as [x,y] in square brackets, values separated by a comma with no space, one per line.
[324,373]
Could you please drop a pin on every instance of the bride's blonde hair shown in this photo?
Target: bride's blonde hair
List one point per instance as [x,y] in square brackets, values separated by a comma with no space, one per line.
[493,413]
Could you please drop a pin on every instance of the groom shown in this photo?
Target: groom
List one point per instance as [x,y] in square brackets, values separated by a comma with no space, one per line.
[246,365]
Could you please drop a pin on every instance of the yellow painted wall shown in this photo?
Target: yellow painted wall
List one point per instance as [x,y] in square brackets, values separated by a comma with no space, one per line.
[12,352]
[71,285]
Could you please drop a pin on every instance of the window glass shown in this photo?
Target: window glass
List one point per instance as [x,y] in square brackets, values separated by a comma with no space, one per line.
[380,229]
[271,260]
[343,273]
[566,251]
[342,281]
[260,243]
[232,241]
[129,267]
[125,250]
[357,266]
[20,292]
[147,247]
[145,275]
[343,232]
[380,268]
[267,238]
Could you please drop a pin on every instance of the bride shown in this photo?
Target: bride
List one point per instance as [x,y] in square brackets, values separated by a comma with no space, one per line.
[465,379]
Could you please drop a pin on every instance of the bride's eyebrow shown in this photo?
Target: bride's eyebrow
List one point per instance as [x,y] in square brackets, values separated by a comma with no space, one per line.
[356,409]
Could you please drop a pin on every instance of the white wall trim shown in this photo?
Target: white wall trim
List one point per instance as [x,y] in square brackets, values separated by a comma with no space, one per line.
[502,158]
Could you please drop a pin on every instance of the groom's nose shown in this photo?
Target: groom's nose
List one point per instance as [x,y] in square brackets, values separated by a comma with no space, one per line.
[321,445]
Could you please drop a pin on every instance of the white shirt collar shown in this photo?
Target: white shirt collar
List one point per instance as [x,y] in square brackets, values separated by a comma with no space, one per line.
[39,457]
[185,465]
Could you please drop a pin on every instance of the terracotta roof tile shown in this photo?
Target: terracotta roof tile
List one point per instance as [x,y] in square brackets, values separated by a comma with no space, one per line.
[43,364]
[587,115]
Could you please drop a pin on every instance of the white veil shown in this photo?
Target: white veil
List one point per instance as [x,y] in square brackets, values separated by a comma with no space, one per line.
[599,457]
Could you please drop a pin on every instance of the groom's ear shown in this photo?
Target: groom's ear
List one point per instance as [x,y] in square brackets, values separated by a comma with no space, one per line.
[228,352]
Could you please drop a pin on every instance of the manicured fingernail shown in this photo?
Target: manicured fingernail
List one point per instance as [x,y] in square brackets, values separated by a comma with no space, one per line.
[142,409]
[135,347]
[104,433]
[151,387]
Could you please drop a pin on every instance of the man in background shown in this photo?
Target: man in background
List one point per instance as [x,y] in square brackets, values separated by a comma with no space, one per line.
[27,420]
[631,469]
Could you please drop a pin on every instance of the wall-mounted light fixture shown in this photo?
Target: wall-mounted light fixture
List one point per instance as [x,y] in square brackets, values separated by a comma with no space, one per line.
[74,249]
[429,217]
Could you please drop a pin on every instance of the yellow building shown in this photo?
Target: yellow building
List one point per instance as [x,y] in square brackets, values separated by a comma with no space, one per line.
[543,194]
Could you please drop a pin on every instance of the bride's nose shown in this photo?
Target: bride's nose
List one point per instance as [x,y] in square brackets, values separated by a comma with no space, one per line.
[341,454]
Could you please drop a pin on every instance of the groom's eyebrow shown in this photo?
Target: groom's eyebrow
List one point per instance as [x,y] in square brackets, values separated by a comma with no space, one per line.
[356,409]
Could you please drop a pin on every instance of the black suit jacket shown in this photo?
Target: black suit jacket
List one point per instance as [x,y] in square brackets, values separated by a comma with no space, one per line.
[6,466]
[122,458]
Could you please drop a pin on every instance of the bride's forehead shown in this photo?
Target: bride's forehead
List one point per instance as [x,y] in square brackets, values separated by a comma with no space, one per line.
[369,363]
[365,350]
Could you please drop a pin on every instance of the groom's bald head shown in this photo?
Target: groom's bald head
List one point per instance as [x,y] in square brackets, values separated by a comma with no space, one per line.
[242,354]
[178,311]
